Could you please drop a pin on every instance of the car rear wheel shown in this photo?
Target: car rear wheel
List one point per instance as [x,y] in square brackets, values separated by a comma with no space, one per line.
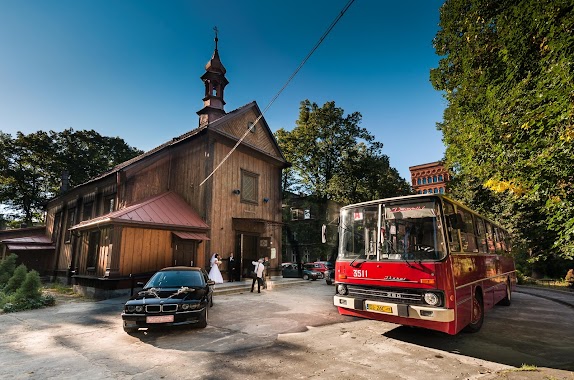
[329,281]
[203,319]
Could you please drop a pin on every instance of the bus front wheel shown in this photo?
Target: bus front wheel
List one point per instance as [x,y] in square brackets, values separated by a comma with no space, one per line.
[477,317]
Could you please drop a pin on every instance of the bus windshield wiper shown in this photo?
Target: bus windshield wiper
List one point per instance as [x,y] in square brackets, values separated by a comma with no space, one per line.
[415,267]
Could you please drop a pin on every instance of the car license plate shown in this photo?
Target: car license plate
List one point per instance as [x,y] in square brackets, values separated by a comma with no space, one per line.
[159,319]
[380,308]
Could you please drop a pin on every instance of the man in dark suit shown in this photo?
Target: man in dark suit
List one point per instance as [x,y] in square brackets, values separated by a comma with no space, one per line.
[232,269]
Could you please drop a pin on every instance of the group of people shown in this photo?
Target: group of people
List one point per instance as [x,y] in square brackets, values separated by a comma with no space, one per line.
[259,271]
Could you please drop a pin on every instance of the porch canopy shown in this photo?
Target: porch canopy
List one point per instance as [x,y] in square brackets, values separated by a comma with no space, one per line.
[166,211]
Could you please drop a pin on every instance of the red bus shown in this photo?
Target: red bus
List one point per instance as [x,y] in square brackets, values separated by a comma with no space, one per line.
[422,260]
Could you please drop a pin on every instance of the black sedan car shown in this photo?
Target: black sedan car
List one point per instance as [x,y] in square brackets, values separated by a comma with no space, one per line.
[172,296]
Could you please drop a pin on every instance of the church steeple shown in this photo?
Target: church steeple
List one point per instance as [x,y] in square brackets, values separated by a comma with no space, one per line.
[215,82]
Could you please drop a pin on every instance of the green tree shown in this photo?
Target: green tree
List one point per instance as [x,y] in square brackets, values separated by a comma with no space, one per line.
[30,289]
[7,267]
[506,72]
[334,158]
[32,165]
[17,279]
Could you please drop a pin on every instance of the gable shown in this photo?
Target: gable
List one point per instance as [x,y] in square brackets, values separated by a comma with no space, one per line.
[260,138]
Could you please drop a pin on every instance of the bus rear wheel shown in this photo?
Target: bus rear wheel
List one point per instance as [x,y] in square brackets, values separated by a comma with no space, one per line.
[477,317]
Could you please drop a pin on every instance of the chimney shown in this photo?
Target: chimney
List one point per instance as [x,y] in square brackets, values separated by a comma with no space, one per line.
[65,182]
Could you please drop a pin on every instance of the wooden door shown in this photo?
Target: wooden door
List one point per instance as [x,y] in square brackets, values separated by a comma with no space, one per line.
[184,252]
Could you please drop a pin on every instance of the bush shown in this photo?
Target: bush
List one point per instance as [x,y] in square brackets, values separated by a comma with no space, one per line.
[16,280]
[7,267]
[23,292]
[30,288]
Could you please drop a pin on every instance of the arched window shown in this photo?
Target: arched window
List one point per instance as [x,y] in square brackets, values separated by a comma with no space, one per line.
[434,180]
[424,181]
[418,181]
[441,190]
[440,177]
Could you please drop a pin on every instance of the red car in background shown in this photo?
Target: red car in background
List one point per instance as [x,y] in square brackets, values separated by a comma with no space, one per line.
[319,266]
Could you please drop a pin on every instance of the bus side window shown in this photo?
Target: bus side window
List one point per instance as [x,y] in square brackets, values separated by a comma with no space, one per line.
[489,238]
[481,235]
[467,235]
[451,232]
[500,245]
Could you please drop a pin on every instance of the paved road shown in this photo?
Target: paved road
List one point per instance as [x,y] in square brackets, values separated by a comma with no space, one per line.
[287,333]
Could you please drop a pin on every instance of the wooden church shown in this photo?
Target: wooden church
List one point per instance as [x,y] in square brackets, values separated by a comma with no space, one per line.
[215,189]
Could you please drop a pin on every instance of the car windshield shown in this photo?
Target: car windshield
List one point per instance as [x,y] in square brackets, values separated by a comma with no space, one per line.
[175,279]
[401,231]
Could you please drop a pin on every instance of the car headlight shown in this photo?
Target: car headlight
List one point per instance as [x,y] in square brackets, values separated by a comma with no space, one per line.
[131,308]
[342,289]
[432,299]
[139,309]
[185,306]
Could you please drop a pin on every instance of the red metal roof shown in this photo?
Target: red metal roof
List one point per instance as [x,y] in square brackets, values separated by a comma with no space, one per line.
[19,247]
[34,239]
[167,210]
[190,235]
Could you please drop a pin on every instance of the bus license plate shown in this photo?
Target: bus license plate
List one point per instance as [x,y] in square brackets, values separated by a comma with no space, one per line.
[380,308]
[159,319]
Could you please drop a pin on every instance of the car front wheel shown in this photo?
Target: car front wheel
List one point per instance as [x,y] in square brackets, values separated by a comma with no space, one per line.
[203,319]
[305,277]
[130,329]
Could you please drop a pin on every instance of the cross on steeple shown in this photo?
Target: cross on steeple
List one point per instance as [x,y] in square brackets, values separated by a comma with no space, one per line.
[216,39]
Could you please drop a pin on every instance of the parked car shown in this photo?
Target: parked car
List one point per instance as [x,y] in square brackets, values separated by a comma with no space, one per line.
[172,296]
[319,266]
[292,271]
[330,276]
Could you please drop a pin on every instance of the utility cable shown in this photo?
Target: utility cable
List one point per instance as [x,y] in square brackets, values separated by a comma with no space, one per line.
[339,16]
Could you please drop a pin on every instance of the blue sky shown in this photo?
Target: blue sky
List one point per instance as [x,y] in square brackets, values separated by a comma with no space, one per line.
[131,68]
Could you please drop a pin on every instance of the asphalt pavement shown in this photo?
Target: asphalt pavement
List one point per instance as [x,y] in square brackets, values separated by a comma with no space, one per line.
[564,297]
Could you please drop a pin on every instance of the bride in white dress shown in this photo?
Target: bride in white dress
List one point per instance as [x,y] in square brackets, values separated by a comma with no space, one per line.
[214,273]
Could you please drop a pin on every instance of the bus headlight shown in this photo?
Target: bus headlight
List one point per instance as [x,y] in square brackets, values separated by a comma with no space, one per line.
[432,299]
[342,289]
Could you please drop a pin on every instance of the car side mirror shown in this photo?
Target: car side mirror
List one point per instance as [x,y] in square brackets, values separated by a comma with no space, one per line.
[210,282]
[139,283]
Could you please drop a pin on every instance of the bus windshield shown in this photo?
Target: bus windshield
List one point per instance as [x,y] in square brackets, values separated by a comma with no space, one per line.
[392,231]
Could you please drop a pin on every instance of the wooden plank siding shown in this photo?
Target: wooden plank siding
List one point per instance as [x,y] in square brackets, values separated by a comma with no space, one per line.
[146,181]
[144,250]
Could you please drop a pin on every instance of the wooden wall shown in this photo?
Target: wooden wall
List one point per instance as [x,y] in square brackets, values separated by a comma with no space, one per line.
[144,250]
[145,180]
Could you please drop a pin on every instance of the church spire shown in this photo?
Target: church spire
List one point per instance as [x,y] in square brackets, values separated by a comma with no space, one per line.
[215,82]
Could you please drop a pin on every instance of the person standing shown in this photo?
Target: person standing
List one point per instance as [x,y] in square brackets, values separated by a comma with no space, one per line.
[214,273]
[265,271]
[258,275]
[232,268]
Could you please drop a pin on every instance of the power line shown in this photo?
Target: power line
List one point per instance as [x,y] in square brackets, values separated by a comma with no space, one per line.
[339,16]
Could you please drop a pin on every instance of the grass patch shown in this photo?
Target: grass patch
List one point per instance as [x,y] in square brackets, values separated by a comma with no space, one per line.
[525,368]
[58,288]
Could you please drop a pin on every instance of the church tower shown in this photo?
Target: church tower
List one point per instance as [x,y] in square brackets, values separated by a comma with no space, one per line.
[215,82]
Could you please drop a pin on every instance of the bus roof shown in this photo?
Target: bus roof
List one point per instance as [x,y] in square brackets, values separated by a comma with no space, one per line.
[420,197]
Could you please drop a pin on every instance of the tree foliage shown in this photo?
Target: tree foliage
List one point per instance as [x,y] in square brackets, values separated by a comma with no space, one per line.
[32,165]
[507,72]
[334,158]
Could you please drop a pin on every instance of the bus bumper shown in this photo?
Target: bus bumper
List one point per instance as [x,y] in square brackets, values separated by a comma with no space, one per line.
[399,310]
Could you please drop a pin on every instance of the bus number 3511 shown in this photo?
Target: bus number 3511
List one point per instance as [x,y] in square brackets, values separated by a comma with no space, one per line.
[359,273]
